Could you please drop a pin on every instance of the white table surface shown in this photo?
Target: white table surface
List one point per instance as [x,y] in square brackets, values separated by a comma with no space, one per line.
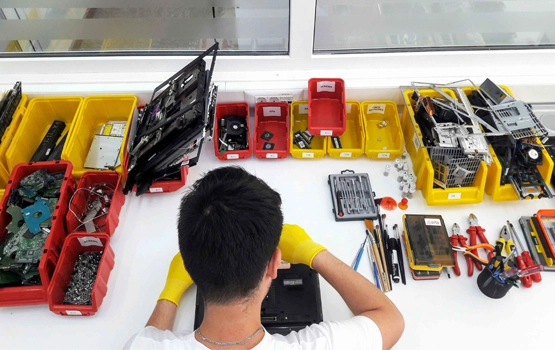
[442,314]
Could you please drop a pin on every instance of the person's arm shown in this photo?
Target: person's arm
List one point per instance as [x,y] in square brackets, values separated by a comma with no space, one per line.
[361,296]
[163,315]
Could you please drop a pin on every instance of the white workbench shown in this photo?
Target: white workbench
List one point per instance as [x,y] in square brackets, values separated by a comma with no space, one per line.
[443,314]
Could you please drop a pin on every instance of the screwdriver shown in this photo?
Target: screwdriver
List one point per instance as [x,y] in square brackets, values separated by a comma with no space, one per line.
[524,254]
[339,198]
[399,251]
[392,247]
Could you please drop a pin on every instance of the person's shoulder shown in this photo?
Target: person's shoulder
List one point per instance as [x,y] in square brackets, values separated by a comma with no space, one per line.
[154,338]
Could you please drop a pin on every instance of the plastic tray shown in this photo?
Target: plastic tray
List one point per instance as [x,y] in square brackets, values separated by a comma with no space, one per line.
[274,118]
[30,295]
[299,122]
[169,185]
[7,139]
[240,109]
[422,165]
[96,111]
[352,140]
[326,106]
[75,244]
[382,142]
[111,220]
[39,115]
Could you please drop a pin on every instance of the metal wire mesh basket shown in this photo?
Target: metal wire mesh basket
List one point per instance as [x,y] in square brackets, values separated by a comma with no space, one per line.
[452,167]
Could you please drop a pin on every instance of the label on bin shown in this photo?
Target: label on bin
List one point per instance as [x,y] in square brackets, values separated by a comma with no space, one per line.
[376,108]
[308,155]
[73,313]
[232,156]
[303,109]
[88,241]
[456,195]
[348,107]
[326,133]
[156,189]
[432,222]
[328,86]
[346,154]
[384,155]
[271,111]
[271,155]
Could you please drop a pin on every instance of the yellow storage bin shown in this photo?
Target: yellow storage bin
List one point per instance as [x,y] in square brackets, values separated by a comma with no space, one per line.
[503,193]
[352,140]
[299,122]
[386,142]
[96,111]
[422,165]
[38,118]
[7,140]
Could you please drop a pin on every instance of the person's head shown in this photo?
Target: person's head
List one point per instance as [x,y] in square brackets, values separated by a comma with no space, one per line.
[229,228]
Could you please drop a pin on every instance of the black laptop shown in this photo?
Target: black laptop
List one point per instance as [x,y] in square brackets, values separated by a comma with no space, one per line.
[292,303]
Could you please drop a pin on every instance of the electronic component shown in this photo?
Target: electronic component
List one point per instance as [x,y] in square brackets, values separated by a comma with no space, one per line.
[266,135]
[90,206]
[8,104]
[352,196]
[300,141]
[56,154]
[105,147]
[268,146]
[234,134]
[336,141]
[49,141]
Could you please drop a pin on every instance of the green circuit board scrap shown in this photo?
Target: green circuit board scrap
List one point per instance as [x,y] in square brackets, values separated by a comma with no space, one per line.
[31,206]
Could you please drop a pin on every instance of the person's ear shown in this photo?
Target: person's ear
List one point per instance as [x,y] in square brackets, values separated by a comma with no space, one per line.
[275,260]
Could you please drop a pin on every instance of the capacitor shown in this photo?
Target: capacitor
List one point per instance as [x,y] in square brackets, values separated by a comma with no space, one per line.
[411,192]
[401,175]
[387,169]
[404,155]
[398,165]
[405,166]
[405,192]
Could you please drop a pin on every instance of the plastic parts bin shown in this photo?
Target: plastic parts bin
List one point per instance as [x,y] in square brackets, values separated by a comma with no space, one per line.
[96,111]
[271,117]
[168,185]
[382,142]
[75,244]
[240,109]
[299,122]
[326,106]
[111,220]
[352,140]
[31,295]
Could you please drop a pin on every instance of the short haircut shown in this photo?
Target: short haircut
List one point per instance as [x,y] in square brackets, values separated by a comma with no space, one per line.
[229,226]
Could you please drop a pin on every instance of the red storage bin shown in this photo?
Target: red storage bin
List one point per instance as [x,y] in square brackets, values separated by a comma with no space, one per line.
[111,220]
[326,107]
[272,117]
[170,185]
[238,109]
[75,244]
[31,295]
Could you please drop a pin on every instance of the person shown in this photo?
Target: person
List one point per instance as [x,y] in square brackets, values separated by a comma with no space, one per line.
[231,241]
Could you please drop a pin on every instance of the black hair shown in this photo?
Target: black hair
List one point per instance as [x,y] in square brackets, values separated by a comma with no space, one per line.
[229,226]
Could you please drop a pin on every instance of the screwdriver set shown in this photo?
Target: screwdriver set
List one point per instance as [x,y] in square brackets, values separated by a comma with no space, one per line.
[352,196]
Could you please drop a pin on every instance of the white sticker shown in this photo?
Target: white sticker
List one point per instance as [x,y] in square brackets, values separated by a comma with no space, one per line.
[156,189]
[384,155]
[271,111]
[349,105]
[432,222]
[376,108]
[326,133]
[456,195]
[416,142]
[271,155]
[73,313]
[232,156]
[308,154]
[328,86]
[88,241]
[303,109]
[346,154]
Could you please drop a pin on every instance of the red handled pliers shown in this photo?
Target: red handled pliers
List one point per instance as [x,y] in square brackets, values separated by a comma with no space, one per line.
[476,230]
[456,240]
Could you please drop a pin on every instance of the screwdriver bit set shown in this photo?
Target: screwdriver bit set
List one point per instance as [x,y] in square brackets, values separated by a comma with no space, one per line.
[352,196]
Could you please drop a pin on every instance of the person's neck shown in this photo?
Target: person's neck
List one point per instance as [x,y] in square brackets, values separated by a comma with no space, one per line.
[230,323]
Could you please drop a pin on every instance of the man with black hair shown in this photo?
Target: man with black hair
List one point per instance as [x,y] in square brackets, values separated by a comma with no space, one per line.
[231,241]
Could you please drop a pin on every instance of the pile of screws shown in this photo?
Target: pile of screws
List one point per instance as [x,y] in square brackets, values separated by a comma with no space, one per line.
[79,291]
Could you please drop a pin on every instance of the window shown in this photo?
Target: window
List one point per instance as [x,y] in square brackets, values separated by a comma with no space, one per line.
[389,25]
[143,26]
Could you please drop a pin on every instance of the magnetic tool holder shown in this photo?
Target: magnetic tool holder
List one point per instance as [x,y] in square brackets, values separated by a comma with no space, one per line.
[169,132]
[352,196]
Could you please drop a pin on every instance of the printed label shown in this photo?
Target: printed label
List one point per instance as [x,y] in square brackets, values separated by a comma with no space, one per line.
[416,142]
[454,195]
[284,265]
[303,109]
[271,111]
[308,155]
[376,108]
[271,155]
[384,155]
[326,133]
[74,313]
[156,189]
[88,241]
[293,282]
[346,154]
[432,222]
[348,107]
[328,86]
[232,156]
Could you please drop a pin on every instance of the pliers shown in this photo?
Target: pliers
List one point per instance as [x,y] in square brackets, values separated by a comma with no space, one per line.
[468,252]
[476,230]
[456,239]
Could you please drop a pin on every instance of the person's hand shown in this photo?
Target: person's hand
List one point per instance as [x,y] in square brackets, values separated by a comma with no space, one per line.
[177,282]
[296,245]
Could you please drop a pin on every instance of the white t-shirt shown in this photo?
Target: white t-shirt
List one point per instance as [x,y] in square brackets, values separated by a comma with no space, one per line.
[359,332]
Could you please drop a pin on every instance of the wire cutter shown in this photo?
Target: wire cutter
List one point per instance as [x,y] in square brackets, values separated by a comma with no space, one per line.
[456,240]
[476,230]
